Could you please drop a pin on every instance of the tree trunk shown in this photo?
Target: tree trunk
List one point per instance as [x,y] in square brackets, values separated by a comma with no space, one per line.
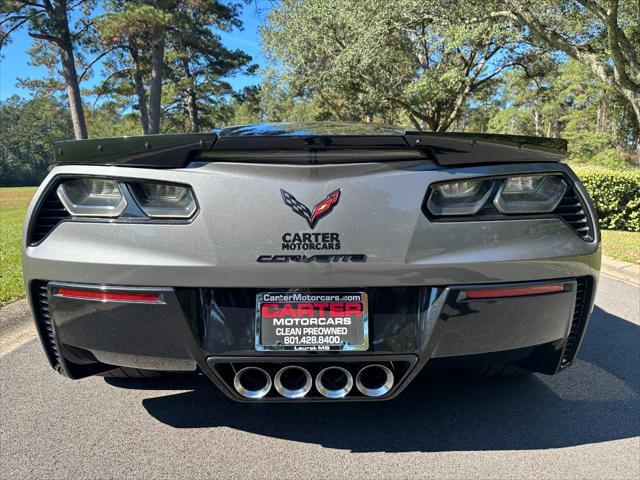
[634,100]
[65,47]
[192,108]
[73,93]
[414,121]
[139,87]
[192,103]
[556,128]
[157,71]
[453,111]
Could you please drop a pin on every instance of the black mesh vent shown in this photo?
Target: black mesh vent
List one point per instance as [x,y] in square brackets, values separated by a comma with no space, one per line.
[50,213]
[572,210]
[578,322]
[45,325]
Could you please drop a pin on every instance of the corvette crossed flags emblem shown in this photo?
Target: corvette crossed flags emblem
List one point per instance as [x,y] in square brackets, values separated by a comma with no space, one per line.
[319,210]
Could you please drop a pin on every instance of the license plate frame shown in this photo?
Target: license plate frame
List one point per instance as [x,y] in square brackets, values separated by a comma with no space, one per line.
[358,330]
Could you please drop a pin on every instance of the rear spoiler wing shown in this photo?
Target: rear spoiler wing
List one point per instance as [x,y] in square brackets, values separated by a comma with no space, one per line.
[179,150]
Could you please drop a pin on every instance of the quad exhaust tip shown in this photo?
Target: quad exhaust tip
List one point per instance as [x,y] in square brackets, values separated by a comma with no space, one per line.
[334,382]
[293,381]
[252,382]
[374,380]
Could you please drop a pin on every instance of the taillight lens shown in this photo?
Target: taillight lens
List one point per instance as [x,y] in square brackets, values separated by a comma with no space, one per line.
[108,296]
[482,293]
[92,197]
[530,194]
[159,200]
[521,194]
[464,197]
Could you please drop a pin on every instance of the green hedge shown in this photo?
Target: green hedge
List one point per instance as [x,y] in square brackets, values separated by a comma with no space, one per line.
[616,195]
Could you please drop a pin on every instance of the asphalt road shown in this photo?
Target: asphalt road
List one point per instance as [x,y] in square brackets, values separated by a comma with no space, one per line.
[583,423]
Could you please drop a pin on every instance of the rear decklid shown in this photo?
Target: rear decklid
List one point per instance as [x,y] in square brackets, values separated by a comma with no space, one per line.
[310,143]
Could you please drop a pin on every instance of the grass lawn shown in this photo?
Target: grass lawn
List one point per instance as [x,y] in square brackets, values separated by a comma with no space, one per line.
[621,245]
[13,205]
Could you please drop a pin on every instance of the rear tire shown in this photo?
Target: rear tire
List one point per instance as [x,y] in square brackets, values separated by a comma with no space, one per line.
[126,372]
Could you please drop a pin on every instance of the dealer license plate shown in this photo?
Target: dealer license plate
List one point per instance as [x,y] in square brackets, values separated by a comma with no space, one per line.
[312,321]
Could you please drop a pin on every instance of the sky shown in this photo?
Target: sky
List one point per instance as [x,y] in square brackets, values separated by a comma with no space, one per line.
[14,61]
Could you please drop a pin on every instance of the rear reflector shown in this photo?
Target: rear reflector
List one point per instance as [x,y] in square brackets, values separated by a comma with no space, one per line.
[107,296]
[515,292]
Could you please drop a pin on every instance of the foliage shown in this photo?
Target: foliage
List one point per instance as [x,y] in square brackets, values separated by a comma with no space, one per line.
[28,131]
[602,35]
[564,99]
[466,65]
[106,120]
[615,194]
[368,60]
[165,59]
[58,44]
[13,206]
[624,246]
[610,158]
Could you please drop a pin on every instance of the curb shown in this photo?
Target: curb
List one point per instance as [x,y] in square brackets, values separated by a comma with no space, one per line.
[14,314]
[623,271]
[16,327]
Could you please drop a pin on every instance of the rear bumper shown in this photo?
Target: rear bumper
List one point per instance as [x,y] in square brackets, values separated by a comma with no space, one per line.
[214,330]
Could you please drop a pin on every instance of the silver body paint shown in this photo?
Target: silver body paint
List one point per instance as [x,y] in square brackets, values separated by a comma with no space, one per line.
[242,216]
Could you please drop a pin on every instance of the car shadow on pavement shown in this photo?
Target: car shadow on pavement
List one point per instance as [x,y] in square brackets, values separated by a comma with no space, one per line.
[596,400]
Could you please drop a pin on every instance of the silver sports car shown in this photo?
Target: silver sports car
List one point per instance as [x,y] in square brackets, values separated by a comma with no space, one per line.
[311,262]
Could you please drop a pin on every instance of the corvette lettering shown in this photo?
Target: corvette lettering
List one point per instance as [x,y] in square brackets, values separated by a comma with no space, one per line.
[319,210]
[311,258]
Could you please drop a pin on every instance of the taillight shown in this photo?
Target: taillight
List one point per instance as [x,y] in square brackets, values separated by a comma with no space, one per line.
[497,196]
[114,198]
[92,197]
[530,194]
[107,295]
[498,292]
[464,197]
[159,200]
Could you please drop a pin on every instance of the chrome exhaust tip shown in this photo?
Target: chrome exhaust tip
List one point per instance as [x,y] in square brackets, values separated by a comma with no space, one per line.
[334,382]
[374,380]
[293,381]
[252,382]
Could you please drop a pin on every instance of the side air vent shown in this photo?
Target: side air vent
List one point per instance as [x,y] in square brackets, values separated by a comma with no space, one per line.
[45,325]
[578,323]
[572,211]
[50,213]
[69,361]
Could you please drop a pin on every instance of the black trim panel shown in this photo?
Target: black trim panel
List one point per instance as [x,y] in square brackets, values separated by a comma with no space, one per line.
[150,151]
[178,150]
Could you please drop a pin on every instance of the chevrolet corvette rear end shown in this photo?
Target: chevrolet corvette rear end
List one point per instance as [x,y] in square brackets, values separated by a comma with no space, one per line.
[311,262]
